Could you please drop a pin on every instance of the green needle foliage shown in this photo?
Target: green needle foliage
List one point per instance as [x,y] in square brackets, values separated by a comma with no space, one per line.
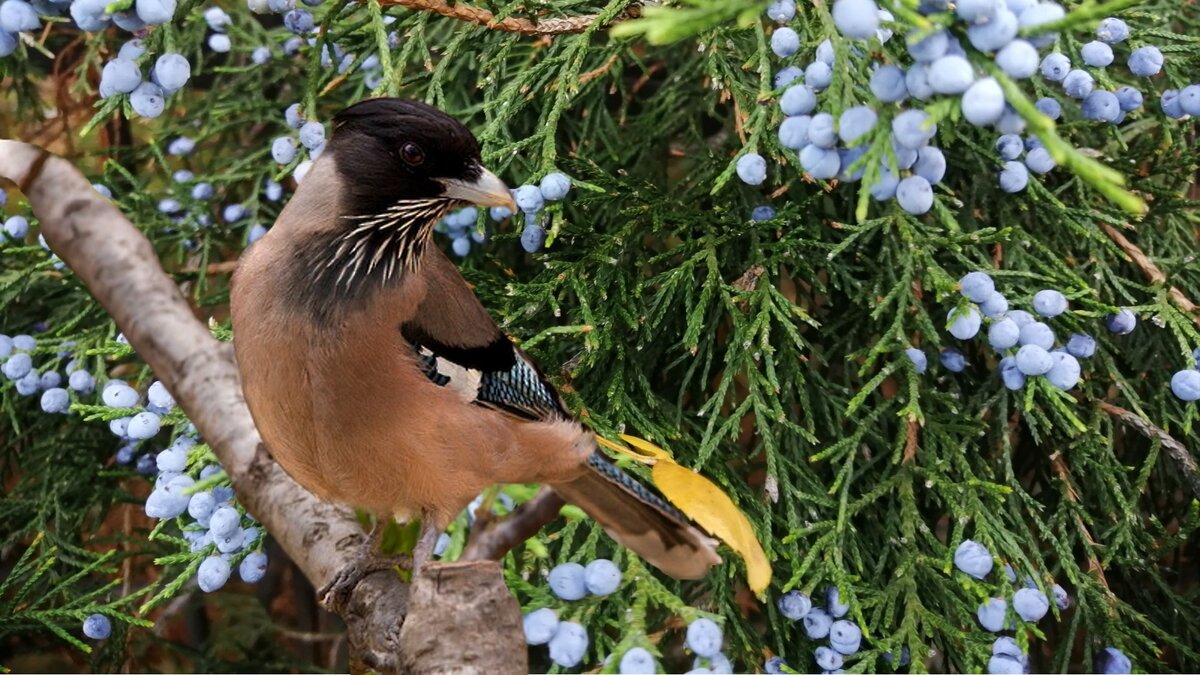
[769,356]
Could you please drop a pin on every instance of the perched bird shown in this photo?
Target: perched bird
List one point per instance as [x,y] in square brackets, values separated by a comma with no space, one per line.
[374,374]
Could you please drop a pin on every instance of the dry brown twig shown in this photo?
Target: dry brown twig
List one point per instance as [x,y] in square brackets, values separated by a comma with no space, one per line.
[464,12]
[119,267]
[1175,450]
[1152,272]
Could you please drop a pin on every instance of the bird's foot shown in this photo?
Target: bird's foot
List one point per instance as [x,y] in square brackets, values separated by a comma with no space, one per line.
[334,595]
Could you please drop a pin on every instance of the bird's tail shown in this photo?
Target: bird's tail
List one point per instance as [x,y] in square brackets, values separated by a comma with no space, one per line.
[641,520]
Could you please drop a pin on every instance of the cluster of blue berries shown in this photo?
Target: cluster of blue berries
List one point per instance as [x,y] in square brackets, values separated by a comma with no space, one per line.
[940,66]
[1029,603]
[1008,330]
[462,226]
[567,640]
[844,636]
[310,135]
[18,366]
[210,521]
[190,200]
[92,16]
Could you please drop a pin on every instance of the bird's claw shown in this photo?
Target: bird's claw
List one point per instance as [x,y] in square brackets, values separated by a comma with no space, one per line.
[334,595]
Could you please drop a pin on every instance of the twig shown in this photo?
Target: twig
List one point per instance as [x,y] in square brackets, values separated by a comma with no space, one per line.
[1176,450]
[1152,272]
[213,269]
[499,536]
[464,12]
[912,439]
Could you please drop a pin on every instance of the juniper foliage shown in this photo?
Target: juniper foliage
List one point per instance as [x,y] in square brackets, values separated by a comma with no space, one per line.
[767,355]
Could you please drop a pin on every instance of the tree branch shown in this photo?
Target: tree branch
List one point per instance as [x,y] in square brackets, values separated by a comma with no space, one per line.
[1175,450]
[464,12]
[119,267]
[1152,272]
[499,536]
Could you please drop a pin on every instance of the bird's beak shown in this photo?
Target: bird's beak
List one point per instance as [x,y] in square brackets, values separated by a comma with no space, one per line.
[487,190]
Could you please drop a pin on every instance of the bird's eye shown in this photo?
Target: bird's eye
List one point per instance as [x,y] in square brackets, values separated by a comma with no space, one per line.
[412,154]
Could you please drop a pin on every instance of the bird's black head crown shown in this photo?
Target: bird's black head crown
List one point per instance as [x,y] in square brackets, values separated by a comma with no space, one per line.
[389,149]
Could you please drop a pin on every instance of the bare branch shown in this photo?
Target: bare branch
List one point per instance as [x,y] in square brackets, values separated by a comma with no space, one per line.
[499,536]
[119,266]
[465,12]
[1175,450]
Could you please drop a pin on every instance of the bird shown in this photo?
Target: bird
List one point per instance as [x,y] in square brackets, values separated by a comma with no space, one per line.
[378,380]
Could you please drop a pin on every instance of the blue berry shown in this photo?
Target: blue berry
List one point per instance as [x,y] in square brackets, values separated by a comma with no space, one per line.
[817,624]
[8,43]
[201,505]
[915,195]
[569,644]
[143,426]
[165,503]
[821,163]
[299,21]
[1055,66]
[991,614]
[845,637]
[1049,303]
[1078,83]
[1112,30]
[529,198]
[964,324]
[887,84]
[752,168]
[219,43]
[17,16]
[995,305]
[260,55]
[499,213]
[856,19]
[828,659]
[283,149]
[785,42]
[312,135]
[884,189]
[855,122]
[825,53]
[794,605]
[1041,14]
[55,400]
[567,581]
[1018,59]
[793,132]
[81,381]
[1003,664]
[1169,102]
[1102,106]
[1037,333]
[1081,345]
[834,604]
[97,627]
[225,520]
[637,661]
[852,169]
[119,395]
[1049,107]
[155,12]
[818,75]
[787,75]
[213,573]
[533,238]
[994,34]
[119,76]
[919,360]
[798,99]
[976,286]
[1121,323]
[953,360]
[540,625]
[1034,360]
[951,74]
[1014,177]
[602,577]
[1010,375]
[1189,100]
[16,228]
[171,72]
[554,186]
[983,102]
[704,637]
[1145,61]
[1039,160]
[147,100]
[1185,384]
[181,146]
[1128,98]
[781,11]
[977,11]
[253,567]
[1112,661]
[929,48]
[973,559]
[1061,599]
[762,213]
[1097,54]
[183,176]
[217,19]
[912,129]
[1030,604]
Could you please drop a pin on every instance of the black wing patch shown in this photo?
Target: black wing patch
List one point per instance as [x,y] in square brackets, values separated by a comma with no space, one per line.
[498,355]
